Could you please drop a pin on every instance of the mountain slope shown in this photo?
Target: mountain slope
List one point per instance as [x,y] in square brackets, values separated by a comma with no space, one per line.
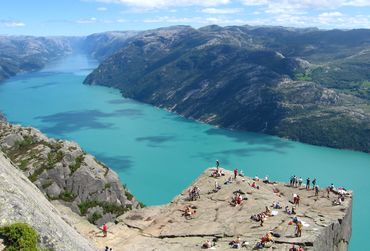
[21,201]
[101,45]
[26,53]
[247,78]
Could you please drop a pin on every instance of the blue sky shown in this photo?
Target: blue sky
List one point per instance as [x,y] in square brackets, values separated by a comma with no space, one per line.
[82,17]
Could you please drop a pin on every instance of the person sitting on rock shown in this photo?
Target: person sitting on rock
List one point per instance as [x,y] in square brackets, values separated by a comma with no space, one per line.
[287,210]
[268,211]
[188,212]
[229,181]
[194,193]
[241,173]
[265,239]
[236,243]
[339,201]
[217,173]
[276,205]
[254,185]
[294,211]
[237,200]
[207,244]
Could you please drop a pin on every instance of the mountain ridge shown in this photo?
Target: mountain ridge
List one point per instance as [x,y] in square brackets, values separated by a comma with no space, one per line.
[235,77]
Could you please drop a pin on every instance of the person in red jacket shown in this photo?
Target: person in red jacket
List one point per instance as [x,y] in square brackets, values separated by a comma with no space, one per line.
[235,173]
[105,230]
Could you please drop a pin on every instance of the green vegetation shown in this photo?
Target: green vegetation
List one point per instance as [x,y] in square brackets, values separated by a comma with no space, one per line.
[77,164]
[142,205]
[53,158]
[23,165]
[107,185]
[25,143]
[19,236]
[129,195]
[33,177]
[107,207]
[303,77]
[67,196]
[21,147]
[94,217]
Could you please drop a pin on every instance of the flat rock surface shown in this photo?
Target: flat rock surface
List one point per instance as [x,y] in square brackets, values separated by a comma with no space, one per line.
[165,227]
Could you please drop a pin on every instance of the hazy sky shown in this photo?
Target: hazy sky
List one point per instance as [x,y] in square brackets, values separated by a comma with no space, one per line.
[82,17]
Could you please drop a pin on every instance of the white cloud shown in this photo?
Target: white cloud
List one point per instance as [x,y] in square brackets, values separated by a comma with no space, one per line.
[94,20]
[331,14]
[357,3]
[221,10]
[305,4]
[101,9]
[11,23]
[195,20]
[87,20]
[157,4]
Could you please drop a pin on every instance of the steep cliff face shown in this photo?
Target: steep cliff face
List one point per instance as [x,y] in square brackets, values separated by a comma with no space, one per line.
[21,201]
[63,171]
[257,79]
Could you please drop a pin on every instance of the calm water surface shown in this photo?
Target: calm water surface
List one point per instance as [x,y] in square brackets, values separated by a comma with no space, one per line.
[156,153]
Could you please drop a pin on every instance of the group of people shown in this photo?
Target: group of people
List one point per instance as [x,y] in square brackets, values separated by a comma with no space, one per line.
[189,212]
[267,238]
[261,217]
[296,181]
[194,193]
[237,200]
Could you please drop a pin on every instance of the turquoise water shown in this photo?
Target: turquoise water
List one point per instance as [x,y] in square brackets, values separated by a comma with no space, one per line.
[156,153]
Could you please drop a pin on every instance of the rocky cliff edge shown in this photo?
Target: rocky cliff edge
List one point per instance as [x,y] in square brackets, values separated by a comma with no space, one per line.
[325,226]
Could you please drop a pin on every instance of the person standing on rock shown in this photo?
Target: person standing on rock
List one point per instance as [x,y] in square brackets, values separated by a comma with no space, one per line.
[308,181]
[235,173]
[314,183]
[105,230]
[316,190]
[217,164]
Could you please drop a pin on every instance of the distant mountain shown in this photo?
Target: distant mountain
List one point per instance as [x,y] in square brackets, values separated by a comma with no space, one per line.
[102,45]
[27,53]
[304,84]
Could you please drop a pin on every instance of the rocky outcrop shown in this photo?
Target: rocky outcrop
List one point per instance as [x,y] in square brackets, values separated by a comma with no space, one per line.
[273,80]
[63,171]
[325,227]
[22,201]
